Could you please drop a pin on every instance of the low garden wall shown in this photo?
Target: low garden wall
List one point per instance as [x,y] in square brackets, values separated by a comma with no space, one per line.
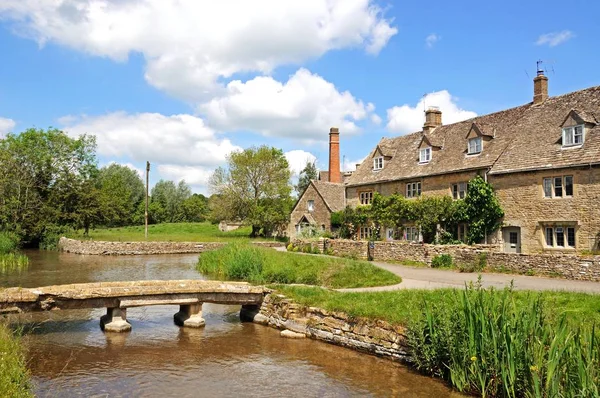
[374,337]
[569,266]
[135,248]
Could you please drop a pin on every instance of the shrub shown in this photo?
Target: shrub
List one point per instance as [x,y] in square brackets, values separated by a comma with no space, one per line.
[14,377]
[51,236]
[9,242]
[290,247]
[442,261]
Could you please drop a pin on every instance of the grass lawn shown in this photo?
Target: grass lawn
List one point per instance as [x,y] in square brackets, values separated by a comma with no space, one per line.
[238,261]
[176,232]
[403,306]
[14,378]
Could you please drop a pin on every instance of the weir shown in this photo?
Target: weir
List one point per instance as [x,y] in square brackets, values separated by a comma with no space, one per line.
[116,297]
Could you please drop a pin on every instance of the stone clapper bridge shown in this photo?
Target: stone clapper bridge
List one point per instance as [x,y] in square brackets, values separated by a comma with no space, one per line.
[116,297]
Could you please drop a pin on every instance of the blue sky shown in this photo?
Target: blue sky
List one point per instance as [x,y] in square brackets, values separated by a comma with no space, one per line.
[184,83]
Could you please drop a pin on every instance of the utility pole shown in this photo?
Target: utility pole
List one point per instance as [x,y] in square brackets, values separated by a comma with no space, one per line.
[146,213]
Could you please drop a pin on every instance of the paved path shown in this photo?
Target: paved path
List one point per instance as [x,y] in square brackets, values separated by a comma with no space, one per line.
[430,278]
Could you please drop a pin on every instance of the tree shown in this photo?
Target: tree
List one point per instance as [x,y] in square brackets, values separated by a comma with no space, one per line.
[121,192]
[45,177]
[195,208]
[308,173]
[482,209]
[254,189]
[167,201]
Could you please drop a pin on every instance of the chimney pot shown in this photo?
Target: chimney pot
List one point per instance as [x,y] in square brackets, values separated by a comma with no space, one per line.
[540,88]
[334,155]
[433,118]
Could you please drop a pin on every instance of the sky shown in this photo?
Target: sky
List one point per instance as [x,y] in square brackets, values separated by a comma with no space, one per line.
[183,83]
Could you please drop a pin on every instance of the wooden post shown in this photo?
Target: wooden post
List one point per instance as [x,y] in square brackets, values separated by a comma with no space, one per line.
[146,213]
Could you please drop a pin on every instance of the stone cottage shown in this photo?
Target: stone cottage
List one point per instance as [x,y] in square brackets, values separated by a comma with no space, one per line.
[543,159]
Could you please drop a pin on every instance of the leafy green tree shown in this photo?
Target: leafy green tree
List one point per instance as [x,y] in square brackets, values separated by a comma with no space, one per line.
[44,177]
[308,173]
[482,209]
[254,189]
[167,201]
[195,208]
[121,192]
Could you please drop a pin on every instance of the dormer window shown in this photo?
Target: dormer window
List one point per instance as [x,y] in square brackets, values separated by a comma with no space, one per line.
[474,146]
[378,163]
[572,135]
[425,155]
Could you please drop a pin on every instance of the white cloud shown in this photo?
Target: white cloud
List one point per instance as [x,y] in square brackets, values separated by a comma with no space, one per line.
[6,126]
[431,40]
[304,108]
[406,119]
[297,160]
[376,119]
[350,165]
[190,46]
[140,172]
[554,38]
[179,146]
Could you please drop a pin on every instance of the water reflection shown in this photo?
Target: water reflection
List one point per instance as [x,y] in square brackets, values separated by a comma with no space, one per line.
[70,357]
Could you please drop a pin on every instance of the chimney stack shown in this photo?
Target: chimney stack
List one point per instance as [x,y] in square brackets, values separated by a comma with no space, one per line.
[540,88]
[334,155]
[433,119]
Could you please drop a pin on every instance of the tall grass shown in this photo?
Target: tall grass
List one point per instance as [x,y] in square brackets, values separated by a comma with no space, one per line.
[10,260]
[14,378]
[239,261]
[496,346]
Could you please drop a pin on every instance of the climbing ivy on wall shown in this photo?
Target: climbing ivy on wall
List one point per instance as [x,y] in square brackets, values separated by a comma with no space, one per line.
[482,210]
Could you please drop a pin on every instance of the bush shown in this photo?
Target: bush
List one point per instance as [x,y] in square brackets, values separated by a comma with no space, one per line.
[14,377]
[290,247]
[9,242]
[442,261]
[51,236]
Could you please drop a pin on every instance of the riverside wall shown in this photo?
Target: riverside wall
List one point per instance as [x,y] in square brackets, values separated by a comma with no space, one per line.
[135,248]
[568,266]
[371,336]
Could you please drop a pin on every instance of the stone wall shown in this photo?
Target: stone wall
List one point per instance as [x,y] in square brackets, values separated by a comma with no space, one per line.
[569,266]
[135,248]
[374,337]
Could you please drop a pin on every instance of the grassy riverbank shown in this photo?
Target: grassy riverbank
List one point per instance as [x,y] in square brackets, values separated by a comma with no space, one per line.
[176,232]
[14,378]
[238,261]
[10,259]
[488,342]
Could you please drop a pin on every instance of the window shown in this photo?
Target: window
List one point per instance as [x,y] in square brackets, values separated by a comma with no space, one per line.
[572,135]
[425,155]
[411,234]
[474,145]
[365,232]
[378,163]
[311,205]
[560,236]
[459,191]
[513,238]
[413,189]
[558,187]
[366,197]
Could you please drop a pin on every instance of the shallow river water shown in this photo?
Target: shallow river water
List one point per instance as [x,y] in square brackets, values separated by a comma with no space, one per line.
[69,356]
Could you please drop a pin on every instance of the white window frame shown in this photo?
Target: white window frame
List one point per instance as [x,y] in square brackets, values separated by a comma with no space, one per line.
[550,183]
[378,163]
[425,155]
[573,136]
[366,197]
[412,234]
[365,233]
[459,190]
[310,206]
[552,232]
[413,189]
[474,146]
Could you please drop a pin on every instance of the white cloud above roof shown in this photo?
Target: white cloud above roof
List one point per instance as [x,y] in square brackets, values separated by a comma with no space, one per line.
[554,38]
[6,126]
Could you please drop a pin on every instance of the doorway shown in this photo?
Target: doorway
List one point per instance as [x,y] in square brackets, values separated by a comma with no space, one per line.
[512,239]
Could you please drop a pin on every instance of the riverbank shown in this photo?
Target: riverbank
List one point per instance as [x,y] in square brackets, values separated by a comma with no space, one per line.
[14,377]
[431,329]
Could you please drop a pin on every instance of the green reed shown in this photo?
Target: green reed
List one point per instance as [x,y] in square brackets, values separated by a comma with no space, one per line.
[13,262]
[492,345]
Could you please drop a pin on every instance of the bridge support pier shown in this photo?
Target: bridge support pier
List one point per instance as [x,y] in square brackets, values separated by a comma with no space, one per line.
[190,315]
[115,320]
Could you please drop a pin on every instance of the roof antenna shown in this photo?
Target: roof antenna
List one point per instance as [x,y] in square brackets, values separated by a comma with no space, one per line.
[541,70]
[539,63]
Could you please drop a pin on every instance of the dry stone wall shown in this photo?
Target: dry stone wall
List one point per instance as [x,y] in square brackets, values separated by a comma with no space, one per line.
[374,337]
[136,248]
[569,266]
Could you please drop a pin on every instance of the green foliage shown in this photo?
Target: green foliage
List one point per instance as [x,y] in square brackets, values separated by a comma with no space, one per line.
[195,208]
[14,377]
[352,219]
[482,210]
[262,265]
[9,242]
[442,261]
[254,188]
[13,262]
[51,235]
[167,201]
[120,192]
[337,218]
[493,347]
[308,173]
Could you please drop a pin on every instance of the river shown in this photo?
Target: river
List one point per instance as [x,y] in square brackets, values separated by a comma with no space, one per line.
[69,356]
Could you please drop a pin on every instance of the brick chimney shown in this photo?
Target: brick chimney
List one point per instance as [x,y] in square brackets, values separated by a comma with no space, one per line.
[433,119]
[334,155]
[540,88]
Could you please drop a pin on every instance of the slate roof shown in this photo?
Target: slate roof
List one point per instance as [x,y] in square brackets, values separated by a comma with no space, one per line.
[527,137]
[333,194]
